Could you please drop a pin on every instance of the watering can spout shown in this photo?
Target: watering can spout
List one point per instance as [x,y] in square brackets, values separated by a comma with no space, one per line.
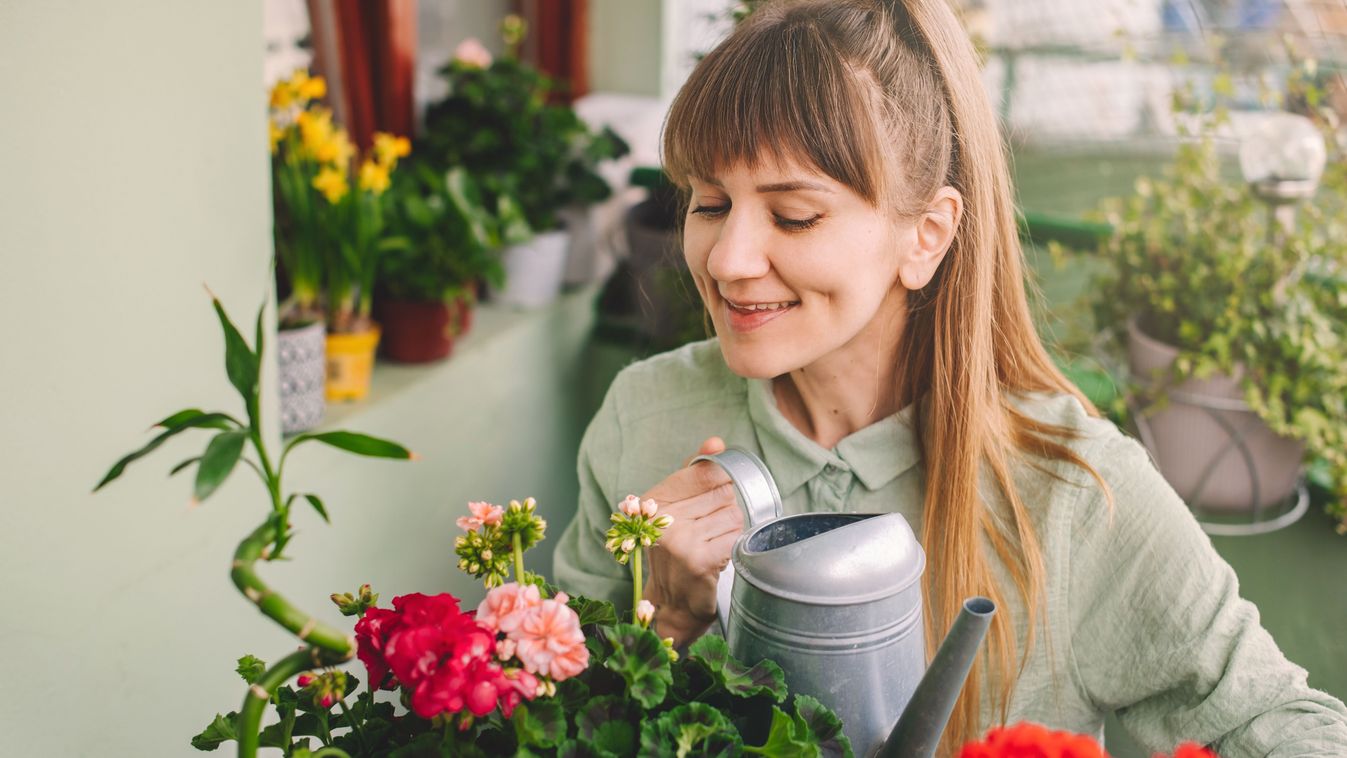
[919,729]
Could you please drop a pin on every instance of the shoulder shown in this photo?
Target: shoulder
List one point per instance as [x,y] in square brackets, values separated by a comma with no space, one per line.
[693,376]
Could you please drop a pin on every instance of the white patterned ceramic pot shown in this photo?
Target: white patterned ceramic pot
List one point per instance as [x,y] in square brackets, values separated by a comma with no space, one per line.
[300,358]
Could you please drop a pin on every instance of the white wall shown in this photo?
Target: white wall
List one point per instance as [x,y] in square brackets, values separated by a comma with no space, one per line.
[134,159]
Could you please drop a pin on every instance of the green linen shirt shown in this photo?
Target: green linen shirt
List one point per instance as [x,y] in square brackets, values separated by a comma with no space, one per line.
[1142,617]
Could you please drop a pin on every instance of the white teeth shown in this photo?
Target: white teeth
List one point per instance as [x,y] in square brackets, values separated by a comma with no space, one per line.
[763,306]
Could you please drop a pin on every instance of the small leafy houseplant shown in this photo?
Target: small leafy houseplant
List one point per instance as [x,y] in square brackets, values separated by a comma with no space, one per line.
[1198,263]
[232,437]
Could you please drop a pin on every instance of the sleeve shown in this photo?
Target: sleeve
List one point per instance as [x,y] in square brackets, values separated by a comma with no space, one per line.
[1161,636]
[581,565]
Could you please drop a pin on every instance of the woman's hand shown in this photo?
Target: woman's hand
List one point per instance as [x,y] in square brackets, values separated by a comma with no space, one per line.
[688,559]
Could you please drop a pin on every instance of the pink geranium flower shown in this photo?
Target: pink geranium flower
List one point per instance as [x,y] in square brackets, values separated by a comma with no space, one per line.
[506,606]
[483,514]
[473,53]
[550,642]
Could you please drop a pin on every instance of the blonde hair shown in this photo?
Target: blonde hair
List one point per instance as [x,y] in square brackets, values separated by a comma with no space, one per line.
[886,98]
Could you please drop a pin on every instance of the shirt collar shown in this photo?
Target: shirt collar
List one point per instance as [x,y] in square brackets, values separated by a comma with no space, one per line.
[877,454]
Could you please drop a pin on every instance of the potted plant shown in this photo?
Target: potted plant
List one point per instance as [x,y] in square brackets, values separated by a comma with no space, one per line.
[1235,328]
[300,233]
[497,124]
[442,242]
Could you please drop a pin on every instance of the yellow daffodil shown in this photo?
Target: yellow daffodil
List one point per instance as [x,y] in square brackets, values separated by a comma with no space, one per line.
[275,134]
[312,88]
[339,151]
[389,147]
[315,130]
[282,95]
[373,177]
[332,183]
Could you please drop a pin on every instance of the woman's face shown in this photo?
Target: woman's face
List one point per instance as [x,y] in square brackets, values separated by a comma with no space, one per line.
[794,267]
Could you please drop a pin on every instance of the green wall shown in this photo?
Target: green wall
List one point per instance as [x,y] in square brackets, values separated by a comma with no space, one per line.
[624,46]
[134,170]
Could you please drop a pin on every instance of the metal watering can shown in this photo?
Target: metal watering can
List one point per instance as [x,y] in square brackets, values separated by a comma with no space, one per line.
[835,599]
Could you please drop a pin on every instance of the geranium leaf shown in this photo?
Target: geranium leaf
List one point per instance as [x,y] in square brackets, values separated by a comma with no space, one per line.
[691,729]
[208,420]
[353,442]
[763,678]
[580,748]
[607,723]
[573,694]
[641,659]
[824,727]
[251,668]
[539,724]
[590,611]
[220,731]
[788,739]
[221,455]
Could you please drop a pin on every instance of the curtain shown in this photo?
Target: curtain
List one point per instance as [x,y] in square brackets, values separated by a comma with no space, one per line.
[367,51]
[557,43]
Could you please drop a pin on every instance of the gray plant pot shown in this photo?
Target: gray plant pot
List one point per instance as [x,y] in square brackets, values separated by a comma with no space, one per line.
[301,365]
[1216,453]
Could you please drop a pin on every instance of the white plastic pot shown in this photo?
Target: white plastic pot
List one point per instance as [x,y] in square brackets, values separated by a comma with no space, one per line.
[534,270]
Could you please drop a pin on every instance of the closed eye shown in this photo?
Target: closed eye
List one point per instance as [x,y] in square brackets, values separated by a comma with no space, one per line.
[796,225]
[711,211]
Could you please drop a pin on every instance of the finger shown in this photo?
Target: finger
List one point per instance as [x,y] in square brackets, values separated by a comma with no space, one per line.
[719,524]
[697,507]
[689,482]
[709,446]
[720,550]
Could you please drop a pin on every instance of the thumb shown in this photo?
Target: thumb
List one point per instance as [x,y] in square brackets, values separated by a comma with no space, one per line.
[710,446]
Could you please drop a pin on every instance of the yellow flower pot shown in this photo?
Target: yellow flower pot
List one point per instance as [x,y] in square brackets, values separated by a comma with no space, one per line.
[350,360]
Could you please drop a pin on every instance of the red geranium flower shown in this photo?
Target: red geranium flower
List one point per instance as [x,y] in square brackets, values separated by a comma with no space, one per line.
[1026,740]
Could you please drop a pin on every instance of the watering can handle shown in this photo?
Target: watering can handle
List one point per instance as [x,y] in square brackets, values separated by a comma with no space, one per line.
[759,500]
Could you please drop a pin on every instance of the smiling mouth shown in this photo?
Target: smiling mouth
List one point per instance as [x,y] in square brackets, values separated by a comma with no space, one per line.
[758,307]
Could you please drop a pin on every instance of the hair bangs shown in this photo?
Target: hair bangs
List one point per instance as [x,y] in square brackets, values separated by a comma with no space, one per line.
[777,89]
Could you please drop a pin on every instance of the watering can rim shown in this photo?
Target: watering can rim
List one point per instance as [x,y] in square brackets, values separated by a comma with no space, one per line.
[914,569]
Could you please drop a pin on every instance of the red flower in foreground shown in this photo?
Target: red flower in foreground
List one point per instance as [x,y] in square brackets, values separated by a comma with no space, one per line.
[441,656]
[1026,740]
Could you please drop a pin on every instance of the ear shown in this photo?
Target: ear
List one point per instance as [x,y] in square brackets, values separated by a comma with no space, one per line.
[934,232]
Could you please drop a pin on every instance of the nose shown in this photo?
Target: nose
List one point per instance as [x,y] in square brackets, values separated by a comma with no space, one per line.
[740,250]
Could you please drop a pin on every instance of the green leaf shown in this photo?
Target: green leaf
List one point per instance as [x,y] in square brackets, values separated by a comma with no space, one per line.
[220,731]
[789,738]
[607,722]
[221,455]
[642,661]
[763,678]
[581,748]
[824,727]
[353,442]
[174,471]
[251,668]
[599,612]
[539,724]
[241,364]
[318,506]
[212,420]
[692,729]
[258,336]
[217,421]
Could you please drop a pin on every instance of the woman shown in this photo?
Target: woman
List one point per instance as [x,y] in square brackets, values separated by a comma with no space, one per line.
[851,231]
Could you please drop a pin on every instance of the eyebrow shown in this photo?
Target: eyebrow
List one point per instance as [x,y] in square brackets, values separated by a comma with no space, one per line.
[778,186]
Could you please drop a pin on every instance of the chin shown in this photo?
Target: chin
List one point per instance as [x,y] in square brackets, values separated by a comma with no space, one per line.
[759,362]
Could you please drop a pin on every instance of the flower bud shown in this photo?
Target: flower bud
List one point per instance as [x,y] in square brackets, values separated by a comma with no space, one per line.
[649,507]
[664,521]
[305,680]
[628,545]
[486,554]
[561,597]
[530,504]
[326,700]
[645,540]
[645,612]
[669,648]
[630,505]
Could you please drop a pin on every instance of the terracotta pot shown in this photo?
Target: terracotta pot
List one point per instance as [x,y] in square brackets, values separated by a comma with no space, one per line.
[350,363]
[418,332]
[1196,436]
[300,358]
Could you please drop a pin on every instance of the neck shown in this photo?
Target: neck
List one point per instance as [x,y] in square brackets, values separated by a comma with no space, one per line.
[847,390]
